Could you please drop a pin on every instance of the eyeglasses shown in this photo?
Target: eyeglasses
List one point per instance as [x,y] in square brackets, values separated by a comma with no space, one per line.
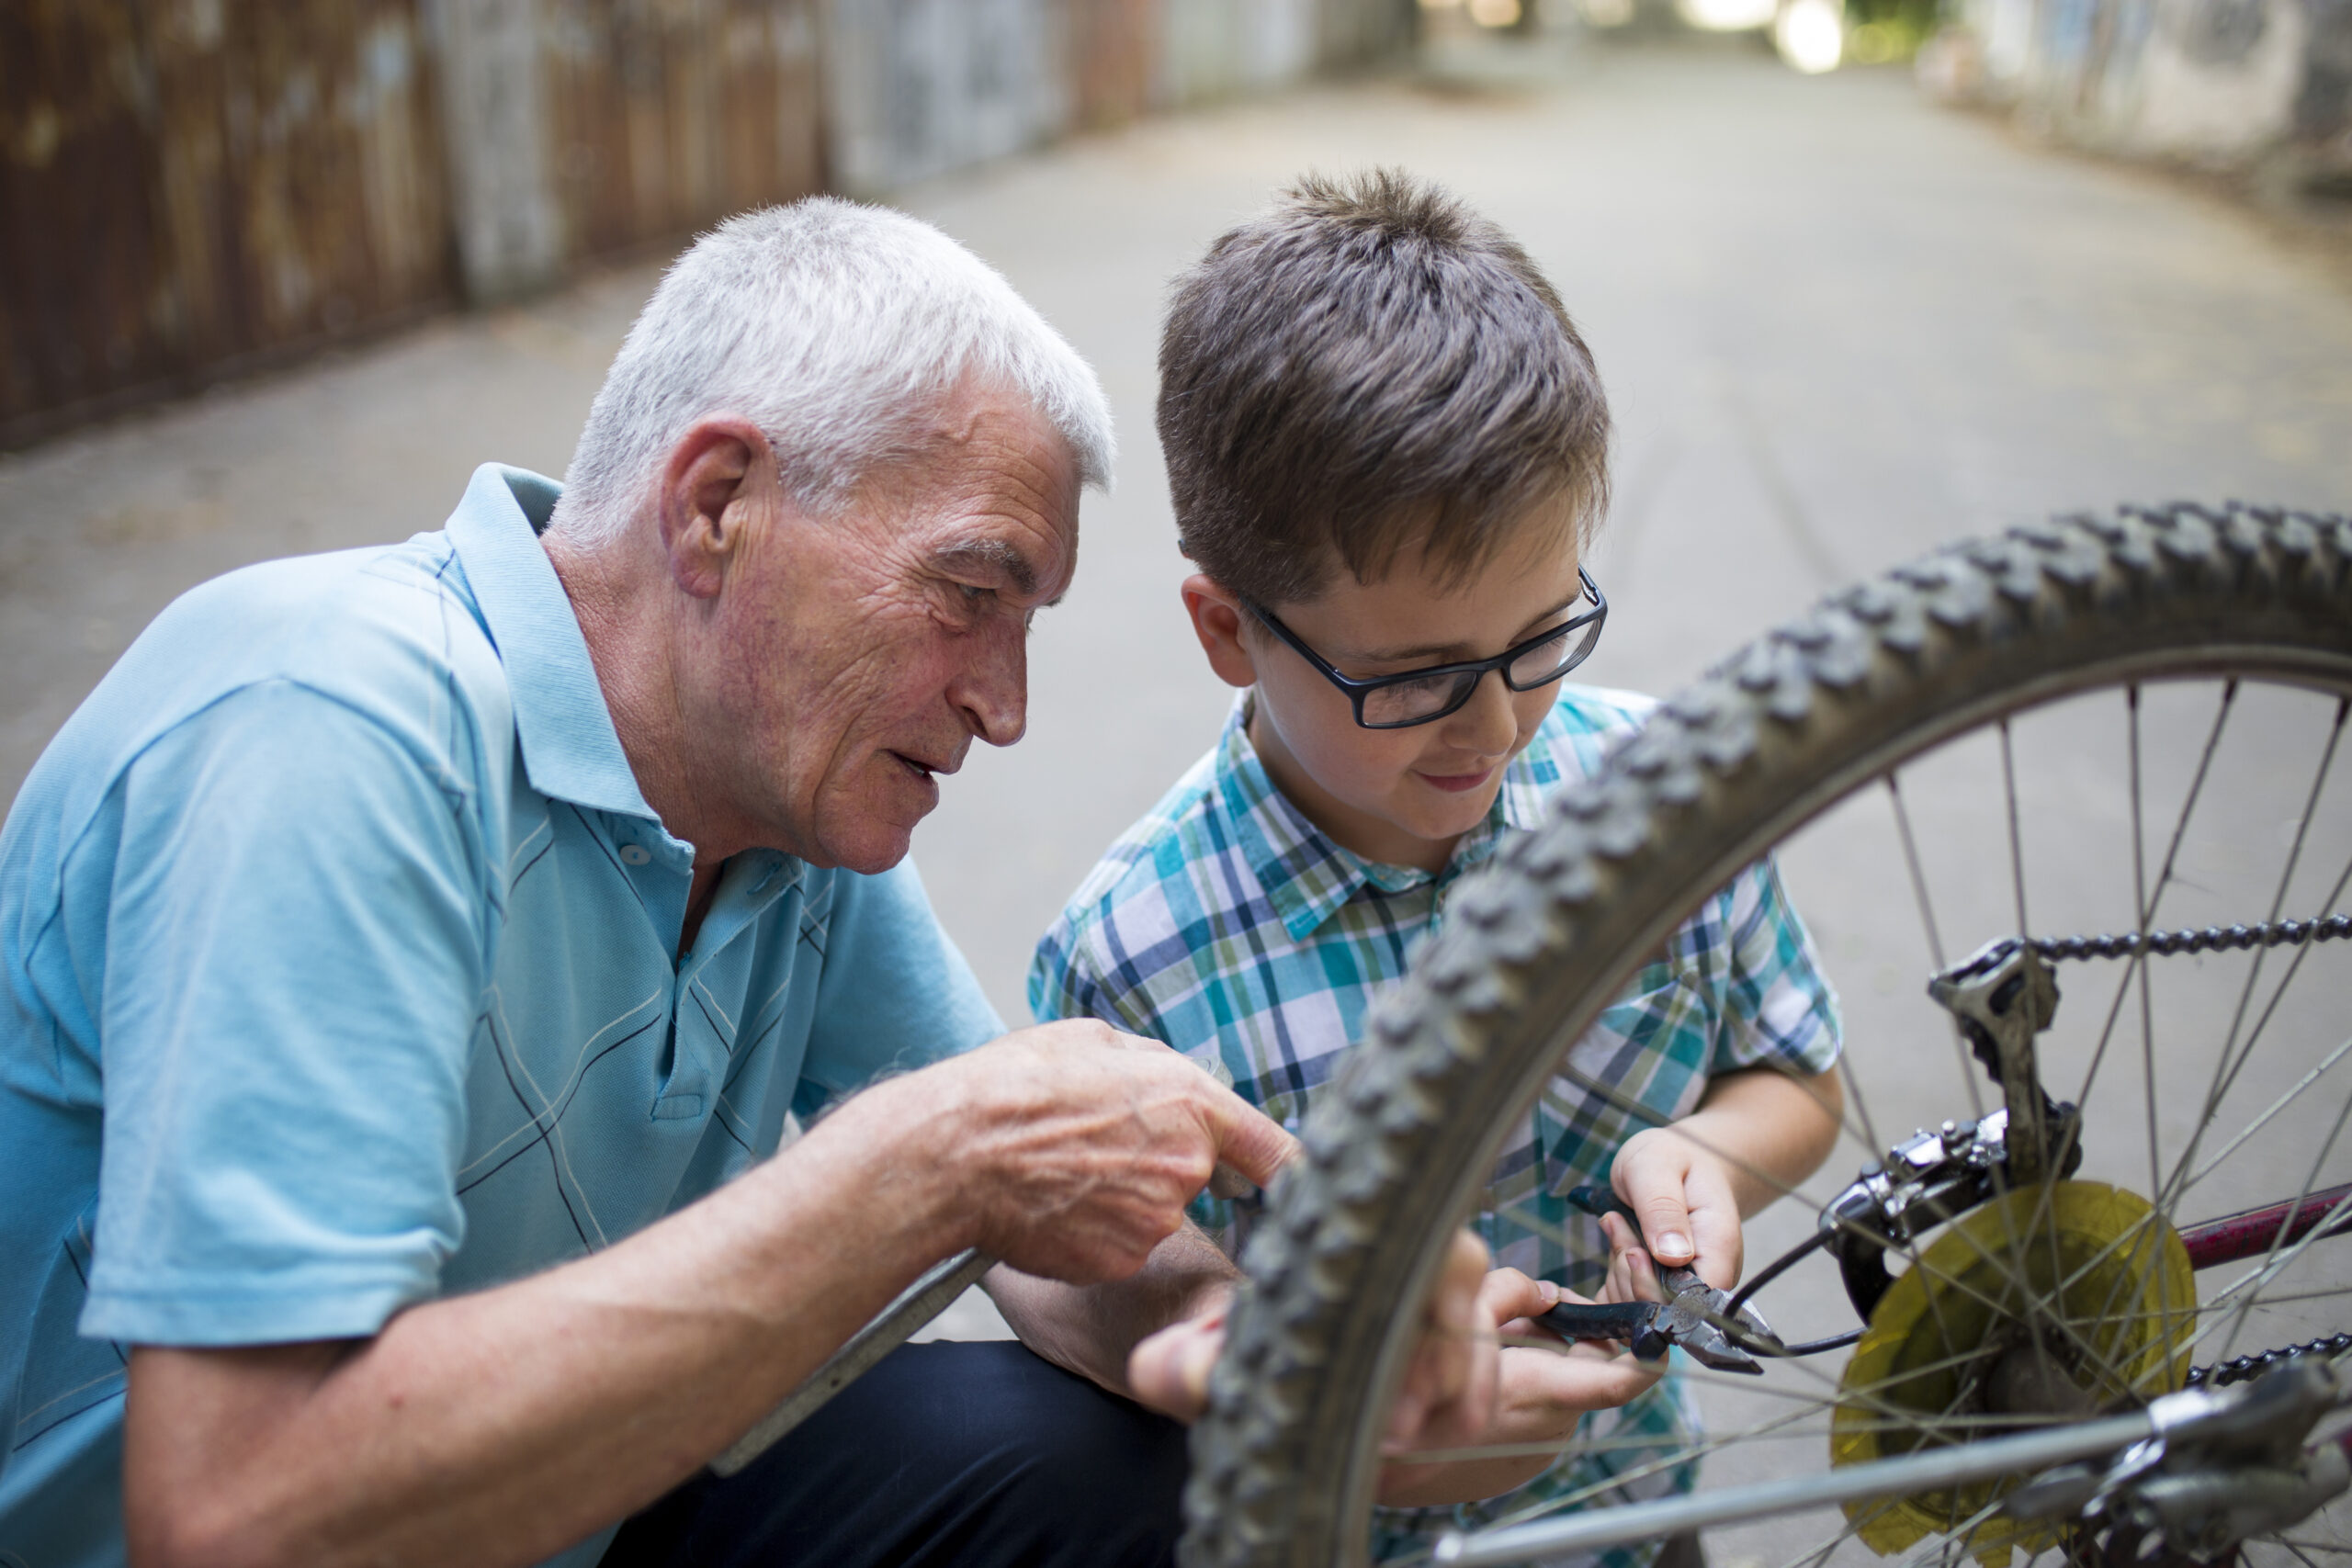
[1417,696]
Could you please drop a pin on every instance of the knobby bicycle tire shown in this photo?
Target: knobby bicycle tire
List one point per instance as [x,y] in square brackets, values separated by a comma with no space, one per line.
[1535,946]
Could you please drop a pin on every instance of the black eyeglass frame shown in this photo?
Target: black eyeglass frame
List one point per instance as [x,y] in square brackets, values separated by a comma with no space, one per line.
[1596,617]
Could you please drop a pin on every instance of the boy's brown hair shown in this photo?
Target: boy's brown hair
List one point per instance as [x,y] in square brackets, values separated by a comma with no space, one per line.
[1367,369]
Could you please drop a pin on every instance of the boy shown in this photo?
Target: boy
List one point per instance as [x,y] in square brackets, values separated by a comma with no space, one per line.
[1387,450]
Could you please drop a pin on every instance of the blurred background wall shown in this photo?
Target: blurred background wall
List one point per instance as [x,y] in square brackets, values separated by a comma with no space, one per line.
[193,189]
[190,188]
[2229,84]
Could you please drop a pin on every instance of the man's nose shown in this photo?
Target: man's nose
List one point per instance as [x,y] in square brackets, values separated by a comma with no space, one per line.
[992,692]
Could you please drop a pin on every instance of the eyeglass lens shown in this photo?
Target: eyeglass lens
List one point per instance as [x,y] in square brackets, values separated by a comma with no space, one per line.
[1406,702]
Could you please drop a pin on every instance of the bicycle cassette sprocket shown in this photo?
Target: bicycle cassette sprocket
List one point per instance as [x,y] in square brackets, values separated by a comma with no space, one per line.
[2047,1303]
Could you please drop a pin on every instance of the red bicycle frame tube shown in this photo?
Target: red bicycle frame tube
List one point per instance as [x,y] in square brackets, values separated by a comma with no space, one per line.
[2253,1233]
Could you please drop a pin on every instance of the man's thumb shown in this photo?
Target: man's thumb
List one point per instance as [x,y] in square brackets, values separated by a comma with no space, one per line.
[1250,1143]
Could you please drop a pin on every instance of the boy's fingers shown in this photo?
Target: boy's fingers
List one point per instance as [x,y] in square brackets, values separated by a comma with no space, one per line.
[1714,1224]
[1720,1250]
[1655,1192]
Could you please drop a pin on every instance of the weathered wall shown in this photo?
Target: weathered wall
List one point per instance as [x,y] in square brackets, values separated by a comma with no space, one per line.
[2216,81]
[589,127]
[189,186]
[918,87]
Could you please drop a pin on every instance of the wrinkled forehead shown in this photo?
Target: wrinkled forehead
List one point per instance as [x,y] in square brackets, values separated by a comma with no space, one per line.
[995,487]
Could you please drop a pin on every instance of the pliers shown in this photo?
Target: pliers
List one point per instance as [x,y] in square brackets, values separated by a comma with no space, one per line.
[1693,1318]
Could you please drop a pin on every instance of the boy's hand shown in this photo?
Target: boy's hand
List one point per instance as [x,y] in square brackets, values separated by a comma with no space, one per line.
[1686,1202]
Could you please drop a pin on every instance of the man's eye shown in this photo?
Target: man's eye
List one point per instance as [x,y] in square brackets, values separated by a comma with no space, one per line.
[975,596]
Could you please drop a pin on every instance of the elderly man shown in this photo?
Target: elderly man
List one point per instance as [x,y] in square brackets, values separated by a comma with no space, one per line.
[413,957]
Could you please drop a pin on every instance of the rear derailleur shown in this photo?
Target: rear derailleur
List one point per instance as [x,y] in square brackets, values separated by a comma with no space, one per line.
[2001,997]
[2221,1467]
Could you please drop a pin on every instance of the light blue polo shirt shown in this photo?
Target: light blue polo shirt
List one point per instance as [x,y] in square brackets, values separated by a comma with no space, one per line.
[338,972]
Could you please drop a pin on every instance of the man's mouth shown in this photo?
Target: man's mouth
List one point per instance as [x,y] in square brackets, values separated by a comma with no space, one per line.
[921,769]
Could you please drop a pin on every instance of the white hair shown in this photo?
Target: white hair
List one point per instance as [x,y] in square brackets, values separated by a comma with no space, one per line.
[835,328]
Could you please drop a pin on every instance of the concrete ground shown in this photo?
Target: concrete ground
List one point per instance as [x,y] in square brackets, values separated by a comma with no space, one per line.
[1838,326]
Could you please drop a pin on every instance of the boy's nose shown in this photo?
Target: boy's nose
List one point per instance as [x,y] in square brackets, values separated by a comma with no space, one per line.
[1484,724]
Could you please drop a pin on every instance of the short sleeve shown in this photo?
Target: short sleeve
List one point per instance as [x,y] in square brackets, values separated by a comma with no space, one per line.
[1066,981]
[1779,1006]
[1060,983]
[295,952]
[896,994]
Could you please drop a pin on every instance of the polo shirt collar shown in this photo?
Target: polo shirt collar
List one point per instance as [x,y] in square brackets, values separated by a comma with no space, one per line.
[1307,875]
[571,750]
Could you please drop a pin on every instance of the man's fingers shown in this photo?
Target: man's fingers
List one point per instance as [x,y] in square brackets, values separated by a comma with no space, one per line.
[1452,1367]
[1168,1371]
[1589,1382]
[1507,1294]
[1251,1143]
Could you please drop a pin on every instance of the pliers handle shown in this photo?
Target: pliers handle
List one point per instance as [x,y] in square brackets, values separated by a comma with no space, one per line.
[1692,1318]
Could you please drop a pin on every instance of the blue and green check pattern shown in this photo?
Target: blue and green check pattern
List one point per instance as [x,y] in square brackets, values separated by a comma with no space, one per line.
[1228,926]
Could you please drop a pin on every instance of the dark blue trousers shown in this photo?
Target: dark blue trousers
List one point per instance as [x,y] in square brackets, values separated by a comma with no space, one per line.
[976,1455]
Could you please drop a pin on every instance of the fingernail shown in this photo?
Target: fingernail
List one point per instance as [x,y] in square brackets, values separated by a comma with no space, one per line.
[1673,1243]
[1551,1293]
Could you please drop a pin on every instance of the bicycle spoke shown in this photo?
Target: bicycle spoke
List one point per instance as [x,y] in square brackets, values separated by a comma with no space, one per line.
[2262,1120]
[2144,908]
[1927,908]
[2300,1555]
[2016,847]
[1852,1528]
[2140,902]
[2231,1059]
[2277,1263]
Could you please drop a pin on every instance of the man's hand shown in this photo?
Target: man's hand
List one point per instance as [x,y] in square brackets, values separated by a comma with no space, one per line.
[1543,1387]
[1474,1380]
[1170,1370]
[1449,1383]
[1076,1147]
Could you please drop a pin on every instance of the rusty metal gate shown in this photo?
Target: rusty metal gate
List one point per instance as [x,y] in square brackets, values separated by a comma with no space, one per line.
[190,187]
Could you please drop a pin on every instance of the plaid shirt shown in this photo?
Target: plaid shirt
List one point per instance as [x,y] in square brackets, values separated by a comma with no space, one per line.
[1228,926]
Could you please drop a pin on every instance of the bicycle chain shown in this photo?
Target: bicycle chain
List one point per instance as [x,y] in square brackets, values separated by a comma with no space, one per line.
[2238,1369]
[2212,938]
[2216,939]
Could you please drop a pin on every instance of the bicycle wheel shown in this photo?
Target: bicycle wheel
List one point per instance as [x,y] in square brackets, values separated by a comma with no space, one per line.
[2105,724]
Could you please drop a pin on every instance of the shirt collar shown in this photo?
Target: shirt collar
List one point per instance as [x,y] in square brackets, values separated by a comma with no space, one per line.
[571,750]
[1307,875]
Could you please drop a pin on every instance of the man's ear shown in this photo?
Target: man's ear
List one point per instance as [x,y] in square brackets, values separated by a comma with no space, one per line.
[1218,618]
[714,487]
